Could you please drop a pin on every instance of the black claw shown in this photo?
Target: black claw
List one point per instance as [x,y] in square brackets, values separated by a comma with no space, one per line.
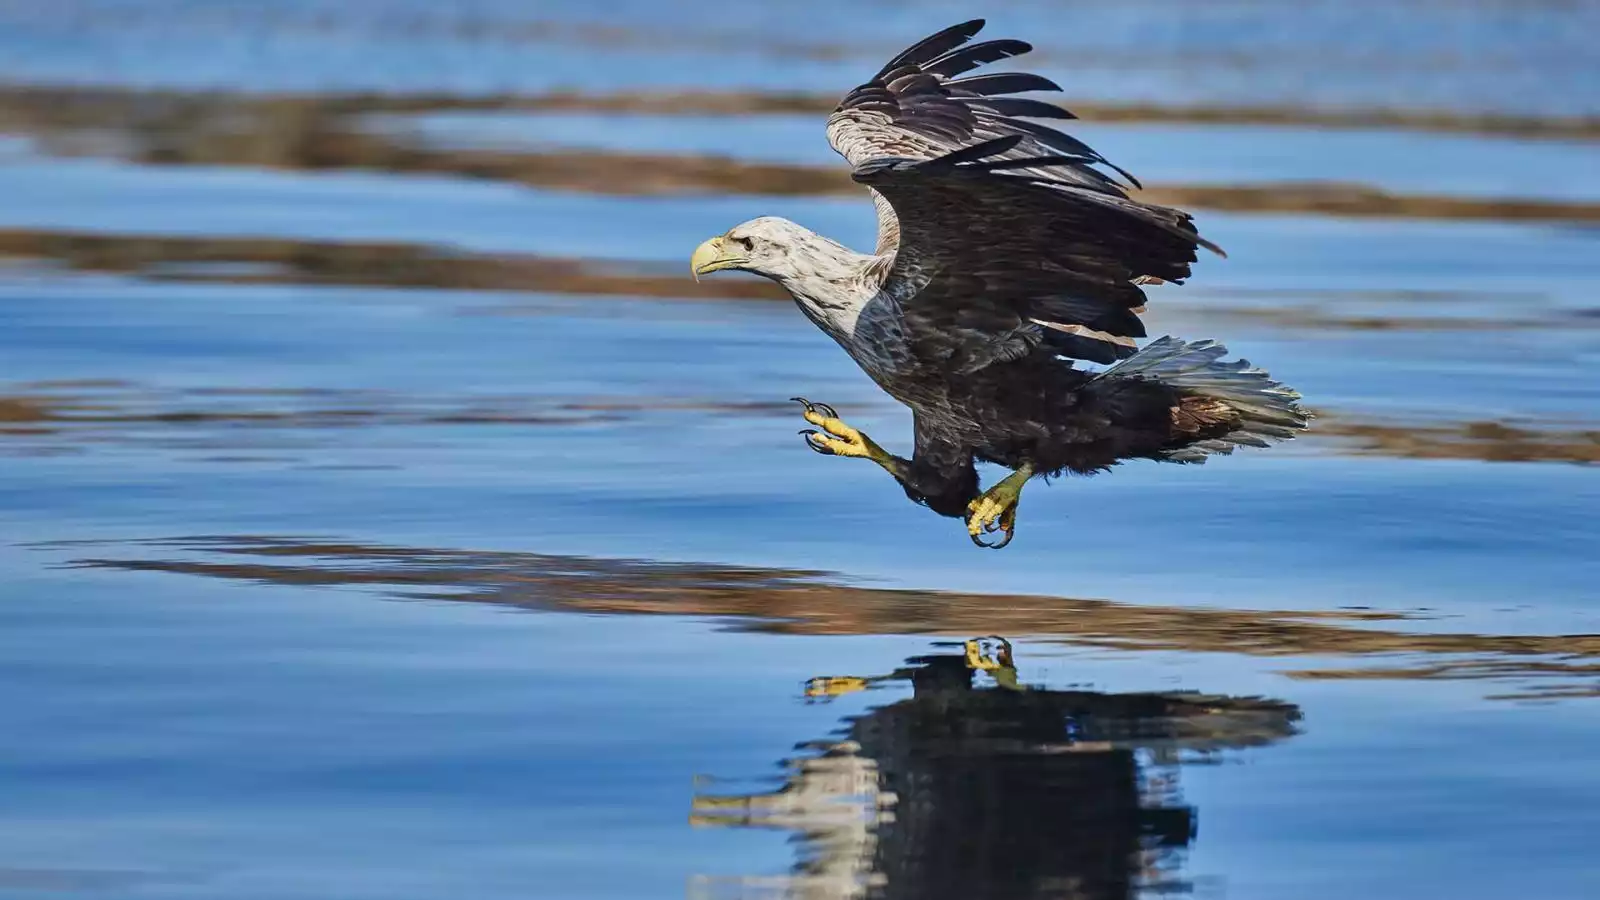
[826,410]
[977,539]
[808,434]
[990,528]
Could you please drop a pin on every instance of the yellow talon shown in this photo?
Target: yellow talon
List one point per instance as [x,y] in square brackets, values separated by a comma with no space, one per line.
[975,656]
[840,448]
[839,439]
[987,515]
[836,438]
[985,662]
[835,686]
[999,664]
[821,421]
[995,510]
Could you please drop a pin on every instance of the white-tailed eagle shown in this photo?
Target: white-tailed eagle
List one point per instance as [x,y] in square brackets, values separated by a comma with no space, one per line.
[1004,253]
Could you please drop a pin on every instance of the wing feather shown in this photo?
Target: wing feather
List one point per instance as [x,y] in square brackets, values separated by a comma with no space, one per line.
[933,46]
[1006,234]
[965,59]
[1002,83]
[997,254]
[1022,106]
[922,104]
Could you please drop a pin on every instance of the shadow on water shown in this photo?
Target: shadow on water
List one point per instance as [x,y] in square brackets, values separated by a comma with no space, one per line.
[798,601]
[992,789]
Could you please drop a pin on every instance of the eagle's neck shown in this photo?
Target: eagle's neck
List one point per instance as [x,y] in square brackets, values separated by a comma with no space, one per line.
[832,284]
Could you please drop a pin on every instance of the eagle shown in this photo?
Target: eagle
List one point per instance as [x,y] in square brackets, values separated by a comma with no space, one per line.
[1007,252]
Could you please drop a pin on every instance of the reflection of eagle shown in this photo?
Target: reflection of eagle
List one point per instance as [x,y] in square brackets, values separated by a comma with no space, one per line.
[1009,792]
[1001,250]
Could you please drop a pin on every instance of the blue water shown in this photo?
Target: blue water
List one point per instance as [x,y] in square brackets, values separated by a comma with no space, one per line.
[312,590]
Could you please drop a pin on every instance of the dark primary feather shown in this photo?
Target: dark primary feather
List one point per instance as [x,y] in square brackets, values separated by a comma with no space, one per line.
[934,45]
[1022,106]
[1001,83]
[1055,140]
[917,107]
[965,59]
[996,259]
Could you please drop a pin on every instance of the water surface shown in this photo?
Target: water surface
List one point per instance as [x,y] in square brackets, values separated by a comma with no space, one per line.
[386,514]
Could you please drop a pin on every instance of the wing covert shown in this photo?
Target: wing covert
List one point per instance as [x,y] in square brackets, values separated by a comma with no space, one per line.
[996,259]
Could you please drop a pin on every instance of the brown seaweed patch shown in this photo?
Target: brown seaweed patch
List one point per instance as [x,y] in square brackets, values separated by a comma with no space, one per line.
[324,133]
[1488,441]
[244,260]
[281,261]
[1314,319]
[1357,200]
[139,412]
[42,109]
[104,412]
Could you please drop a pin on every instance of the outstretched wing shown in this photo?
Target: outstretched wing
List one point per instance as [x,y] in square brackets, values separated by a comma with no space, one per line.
[923,104]
[1001,255]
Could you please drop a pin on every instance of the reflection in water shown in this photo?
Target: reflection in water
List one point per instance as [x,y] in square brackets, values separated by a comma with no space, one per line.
[797,601]
[996,790]
[834,801]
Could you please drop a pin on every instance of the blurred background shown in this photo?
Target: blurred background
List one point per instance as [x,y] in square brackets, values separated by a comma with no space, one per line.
[384,513]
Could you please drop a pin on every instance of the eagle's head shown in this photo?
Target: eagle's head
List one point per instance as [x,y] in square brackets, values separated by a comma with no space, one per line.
[772,247]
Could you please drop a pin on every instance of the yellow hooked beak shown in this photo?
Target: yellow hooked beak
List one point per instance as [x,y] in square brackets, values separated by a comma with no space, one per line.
[712,256]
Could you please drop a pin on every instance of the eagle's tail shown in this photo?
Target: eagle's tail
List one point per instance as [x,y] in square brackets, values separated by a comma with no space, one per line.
[1215,392]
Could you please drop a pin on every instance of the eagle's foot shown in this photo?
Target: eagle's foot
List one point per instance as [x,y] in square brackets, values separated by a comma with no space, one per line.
[986,654]
[836,438]
[992,654]
[995,510]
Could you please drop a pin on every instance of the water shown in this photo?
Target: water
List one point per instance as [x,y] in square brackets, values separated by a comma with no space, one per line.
[386,514]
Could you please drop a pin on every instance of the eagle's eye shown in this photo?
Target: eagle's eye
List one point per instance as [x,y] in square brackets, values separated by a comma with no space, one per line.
[746,243]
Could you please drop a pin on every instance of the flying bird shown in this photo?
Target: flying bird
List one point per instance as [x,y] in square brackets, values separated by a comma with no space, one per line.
[1006,251]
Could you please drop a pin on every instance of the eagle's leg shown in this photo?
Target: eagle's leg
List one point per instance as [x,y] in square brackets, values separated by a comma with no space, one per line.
[996,509]
[838,439]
